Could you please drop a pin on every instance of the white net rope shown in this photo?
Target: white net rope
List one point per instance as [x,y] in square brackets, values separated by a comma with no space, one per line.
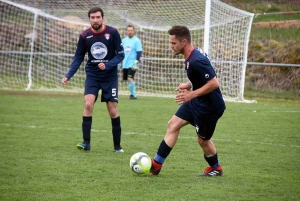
[39,38]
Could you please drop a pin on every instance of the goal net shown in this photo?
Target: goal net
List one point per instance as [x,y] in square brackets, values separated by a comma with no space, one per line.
[39,38]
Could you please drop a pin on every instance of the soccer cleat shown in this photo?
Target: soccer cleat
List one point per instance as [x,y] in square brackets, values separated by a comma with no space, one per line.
[155,167]
[118,149]
[209,171]
[131,97]
[84,146]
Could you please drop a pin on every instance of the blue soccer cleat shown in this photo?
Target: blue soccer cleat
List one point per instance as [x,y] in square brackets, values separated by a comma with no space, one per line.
[84,146]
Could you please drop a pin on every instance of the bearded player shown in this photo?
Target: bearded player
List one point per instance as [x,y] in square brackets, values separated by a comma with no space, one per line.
[105,51]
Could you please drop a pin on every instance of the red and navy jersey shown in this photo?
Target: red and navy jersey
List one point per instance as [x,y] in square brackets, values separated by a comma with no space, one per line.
[104,47]
[199,71]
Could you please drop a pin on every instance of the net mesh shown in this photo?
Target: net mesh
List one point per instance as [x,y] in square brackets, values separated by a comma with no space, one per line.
[39,38]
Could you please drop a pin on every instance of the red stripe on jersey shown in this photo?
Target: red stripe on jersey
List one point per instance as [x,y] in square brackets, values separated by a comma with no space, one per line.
[189,54]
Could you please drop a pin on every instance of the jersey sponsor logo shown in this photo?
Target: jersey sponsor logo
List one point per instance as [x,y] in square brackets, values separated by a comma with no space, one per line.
[107,36]
[99,50]
[187,65]
[127,49]
[89,36]
[206,75]
[99,61]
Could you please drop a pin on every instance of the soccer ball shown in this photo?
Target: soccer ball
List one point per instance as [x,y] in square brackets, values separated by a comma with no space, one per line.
[140,163]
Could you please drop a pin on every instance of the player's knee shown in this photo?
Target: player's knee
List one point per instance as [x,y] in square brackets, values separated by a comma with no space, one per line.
[88,105]
[113,112]
[171,125]
[203,142]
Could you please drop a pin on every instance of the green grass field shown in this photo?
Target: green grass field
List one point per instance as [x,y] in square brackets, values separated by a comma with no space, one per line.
[258,146]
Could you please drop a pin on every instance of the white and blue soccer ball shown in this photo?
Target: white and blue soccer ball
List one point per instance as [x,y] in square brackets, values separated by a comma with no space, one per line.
[140,163]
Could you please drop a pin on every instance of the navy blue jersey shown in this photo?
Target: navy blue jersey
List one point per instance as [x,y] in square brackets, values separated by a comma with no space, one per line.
[199,70]
[105,47]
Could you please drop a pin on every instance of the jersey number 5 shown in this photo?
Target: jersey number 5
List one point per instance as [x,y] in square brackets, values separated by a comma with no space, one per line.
[113,91]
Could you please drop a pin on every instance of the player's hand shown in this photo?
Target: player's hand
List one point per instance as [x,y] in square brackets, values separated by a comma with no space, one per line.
[64,80]
[183,86]
[183,96]
[101,66]
[135,65]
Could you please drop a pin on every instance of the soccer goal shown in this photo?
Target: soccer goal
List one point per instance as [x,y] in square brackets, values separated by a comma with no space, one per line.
[39,38]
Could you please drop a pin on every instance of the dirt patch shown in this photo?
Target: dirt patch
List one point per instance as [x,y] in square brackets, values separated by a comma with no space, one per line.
[279,24]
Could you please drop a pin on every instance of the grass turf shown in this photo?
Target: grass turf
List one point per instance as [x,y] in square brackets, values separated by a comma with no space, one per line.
[258,146]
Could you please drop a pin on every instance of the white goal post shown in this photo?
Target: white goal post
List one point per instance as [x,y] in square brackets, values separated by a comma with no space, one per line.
[39,38]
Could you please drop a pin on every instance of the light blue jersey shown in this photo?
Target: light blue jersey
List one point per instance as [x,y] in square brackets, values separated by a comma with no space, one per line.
[131,47]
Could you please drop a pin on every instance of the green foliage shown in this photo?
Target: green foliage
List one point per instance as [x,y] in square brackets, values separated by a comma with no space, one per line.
[276,17]
[258,145]
[279,34]
[265,6]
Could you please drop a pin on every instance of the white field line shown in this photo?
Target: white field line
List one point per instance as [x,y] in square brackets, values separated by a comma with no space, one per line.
[288,111]
[158,135]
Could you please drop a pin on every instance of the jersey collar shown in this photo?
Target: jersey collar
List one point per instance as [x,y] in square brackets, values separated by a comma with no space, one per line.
[104,27]
[189,54]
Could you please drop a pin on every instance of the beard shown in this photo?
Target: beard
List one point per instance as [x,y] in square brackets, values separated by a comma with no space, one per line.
[175,53]
[96,26]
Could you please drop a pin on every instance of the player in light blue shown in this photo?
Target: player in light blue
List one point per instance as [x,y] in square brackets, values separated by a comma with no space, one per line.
[133,50]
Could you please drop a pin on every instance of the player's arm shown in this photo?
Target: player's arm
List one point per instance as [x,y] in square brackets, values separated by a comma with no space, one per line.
[139,51]
[137,61]
[207,73]
[138,55]
[77,60]
[185,95]
[184,86]
[119,50]
[210,86]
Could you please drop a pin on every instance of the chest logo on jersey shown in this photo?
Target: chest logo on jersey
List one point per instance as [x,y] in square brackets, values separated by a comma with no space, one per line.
[99,50]
[127,49]
[107,36]
[187,65]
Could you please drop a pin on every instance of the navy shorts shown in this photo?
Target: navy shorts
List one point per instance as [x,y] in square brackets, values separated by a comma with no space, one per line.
[205,122]
[109,89]
[128,73]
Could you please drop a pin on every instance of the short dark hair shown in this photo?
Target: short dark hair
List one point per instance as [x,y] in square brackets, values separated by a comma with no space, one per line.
[181,32]
[130,25]
[94,10]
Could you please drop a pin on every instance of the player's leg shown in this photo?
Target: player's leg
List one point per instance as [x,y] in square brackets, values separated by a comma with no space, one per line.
[131,84]
[90,96]
[125,78]
[205,128]
[179,120]
[110,96]
[125,74]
